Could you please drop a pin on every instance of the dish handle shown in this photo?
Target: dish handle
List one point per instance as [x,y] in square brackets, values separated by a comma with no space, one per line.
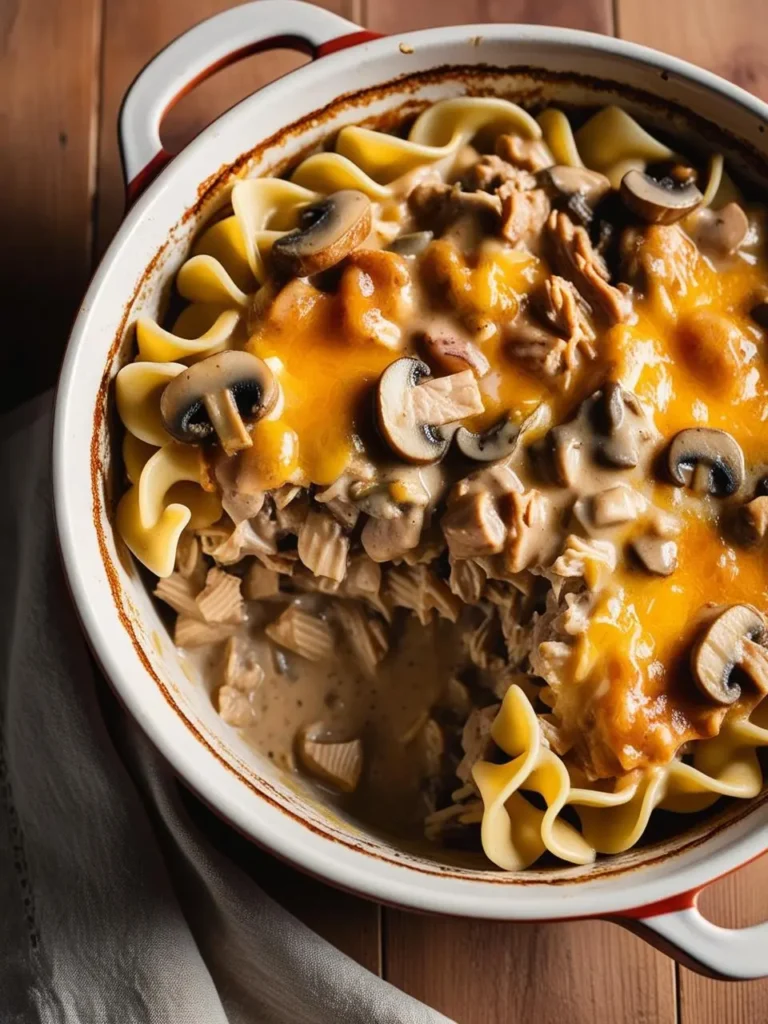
[678,928]
[206,48]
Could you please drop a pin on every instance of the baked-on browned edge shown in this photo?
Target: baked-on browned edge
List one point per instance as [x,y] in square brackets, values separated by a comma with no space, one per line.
[466,74]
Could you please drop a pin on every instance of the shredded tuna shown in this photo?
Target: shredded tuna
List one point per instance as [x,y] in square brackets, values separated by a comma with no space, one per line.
[523,214]
[306,635]
[575,258]
[528,154]
[323,547]
[491,172]
[591,559]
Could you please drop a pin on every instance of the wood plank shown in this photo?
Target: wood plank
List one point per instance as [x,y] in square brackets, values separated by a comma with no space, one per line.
[479,972]
[392,16]
[48,80]
[476,972]
[133,33]
[719,37]
[722,39]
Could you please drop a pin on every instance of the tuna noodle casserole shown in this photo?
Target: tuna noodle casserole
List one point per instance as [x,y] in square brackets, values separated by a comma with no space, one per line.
[452,467]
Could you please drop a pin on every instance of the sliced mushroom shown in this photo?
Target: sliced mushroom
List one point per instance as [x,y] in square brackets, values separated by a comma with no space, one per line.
[720,231]
[454,354]
[659,201]
[412,244]
[339,764]
[220,394]
[578,189]
[500,440]
[413,441]
[707,460]
[656,555]
[720,648]
[329,231]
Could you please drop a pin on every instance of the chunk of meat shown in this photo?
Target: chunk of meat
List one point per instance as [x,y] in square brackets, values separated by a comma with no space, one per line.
[472,526]
[660,261]
[531,155]
[575,259]
[490,172]
[323,547]
[280,313]
[562,309]
[306,635]
[442,400]
[523,214]
[375,295]
[532,530]
[385,540]
[453,354]
[538,350]
[436,205]
[476,740]
[237,707]
[366,634]
[220,601]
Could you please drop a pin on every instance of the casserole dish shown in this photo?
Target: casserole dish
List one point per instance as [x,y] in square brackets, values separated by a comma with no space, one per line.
[355,77]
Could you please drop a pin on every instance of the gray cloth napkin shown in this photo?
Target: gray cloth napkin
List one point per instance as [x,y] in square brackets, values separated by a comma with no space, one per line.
[114,906]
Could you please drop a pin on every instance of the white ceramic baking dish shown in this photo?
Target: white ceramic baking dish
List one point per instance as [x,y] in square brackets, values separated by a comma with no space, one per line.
[354,75]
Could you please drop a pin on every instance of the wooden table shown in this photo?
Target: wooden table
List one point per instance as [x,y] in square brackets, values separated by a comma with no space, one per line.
[64,66]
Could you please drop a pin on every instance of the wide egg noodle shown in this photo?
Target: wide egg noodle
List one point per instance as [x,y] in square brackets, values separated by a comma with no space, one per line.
[515,834]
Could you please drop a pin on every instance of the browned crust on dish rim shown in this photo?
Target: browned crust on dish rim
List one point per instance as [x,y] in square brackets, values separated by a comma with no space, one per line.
[468,74]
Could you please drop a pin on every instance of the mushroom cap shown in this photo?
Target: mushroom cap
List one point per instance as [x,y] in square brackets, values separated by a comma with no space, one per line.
[563,181]
[413,441]
[249,381]
[703,450]
[501,439]
[330,229]
[659,202]
[412,244]
[720,648]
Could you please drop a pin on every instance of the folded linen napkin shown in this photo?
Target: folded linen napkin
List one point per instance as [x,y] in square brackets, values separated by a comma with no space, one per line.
[114,907]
